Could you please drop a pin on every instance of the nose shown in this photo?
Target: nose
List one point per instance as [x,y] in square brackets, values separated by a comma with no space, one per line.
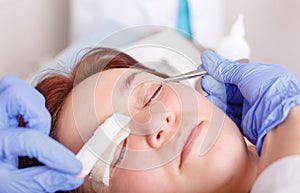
[164,133]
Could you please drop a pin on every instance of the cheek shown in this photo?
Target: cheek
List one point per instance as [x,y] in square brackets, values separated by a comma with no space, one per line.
[171,101]
[146,181]
[122,181]
[205,106]
[224,160]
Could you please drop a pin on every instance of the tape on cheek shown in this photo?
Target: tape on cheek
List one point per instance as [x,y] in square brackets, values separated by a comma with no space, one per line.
[108,156]
[102,145]
[100,174]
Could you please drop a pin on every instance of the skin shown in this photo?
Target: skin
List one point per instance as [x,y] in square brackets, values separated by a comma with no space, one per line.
[282,141]
[226,165]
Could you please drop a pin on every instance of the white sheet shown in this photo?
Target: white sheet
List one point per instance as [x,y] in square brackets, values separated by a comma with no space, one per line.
[282,176]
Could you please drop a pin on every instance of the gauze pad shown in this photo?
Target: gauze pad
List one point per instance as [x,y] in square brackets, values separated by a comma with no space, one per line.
[104,141]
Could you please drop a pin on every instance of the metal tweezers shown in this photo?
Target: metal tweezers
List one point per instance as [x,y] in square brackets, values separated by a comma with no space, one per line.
[192,74]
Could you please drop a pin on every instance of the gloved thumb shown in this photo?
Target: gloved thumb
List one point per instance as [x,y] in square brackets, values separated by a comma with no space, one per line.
[37,179]
[221,69]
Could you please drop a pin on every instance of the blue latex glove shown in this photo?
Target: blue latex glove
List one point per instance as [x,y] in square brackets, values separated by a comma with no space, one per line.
[18,98]
[257,96]
[60,165]
[58,172]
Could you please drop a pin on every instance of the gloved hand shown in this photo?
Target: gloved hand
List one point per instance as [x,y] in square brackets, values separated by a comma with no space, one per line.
[19,99]
[58,172]
[257,96]
[60,165]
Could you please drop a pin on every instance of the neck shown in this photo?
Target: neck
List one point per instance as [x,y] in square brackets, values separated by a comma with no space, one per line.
[244,182]
[251,168]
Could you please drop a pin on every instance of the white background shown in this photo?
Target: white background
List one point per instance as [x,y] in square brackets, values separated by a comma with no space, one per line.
[33,31]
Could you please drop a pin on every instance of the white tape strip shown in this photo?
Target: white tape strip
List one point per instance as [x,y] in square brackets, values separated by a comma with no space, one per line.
[104,142]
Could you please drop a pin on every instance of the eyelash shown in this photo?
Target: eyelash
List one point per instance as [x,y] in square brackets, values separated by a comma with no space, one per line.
[122,153]
[154,95]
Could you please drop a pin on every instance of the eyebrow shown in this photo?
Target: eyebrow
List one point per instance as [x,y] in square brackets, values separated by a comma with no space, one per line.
[128,81]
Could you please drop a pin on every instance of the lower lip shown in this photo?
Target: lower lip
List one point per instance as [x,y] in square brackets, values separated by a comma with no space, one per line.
[190,143]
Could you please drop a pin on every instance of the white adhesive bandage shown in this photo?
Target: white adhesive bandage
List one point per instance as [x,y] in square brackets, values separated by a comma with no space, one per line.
[102,145]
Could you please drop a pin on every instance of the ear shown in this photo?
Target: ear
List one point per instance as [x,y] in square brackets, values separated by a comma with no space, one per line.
[163,134]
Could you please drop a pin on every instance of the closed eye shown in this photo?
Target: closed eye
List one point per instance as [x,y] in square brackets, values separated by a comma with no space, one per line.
[153,96]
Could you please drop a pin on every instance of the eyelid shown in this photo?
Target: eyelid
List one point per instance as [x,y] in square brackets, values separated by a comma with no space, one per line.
[153,95]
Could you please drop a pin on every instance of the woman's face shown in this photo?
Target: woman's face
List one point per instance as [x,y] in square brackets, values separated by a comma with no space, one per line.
[179,141]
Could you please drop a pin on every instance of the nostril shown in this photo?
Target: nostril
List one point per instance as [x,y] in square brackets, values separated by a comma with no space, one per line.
[170,118]
[158,136]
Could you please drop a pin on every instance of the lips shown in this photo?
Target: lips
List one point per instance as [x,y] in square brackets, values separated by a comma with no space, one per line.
[190,141]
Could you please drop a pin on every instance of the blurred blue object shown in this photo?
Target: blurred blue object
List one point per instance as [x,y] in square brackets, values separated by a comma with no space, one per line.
[183,19]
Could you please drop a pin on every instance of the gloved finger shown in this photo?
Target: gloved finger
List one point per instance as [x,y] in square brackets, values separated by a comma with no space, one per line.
[222,69]
[201,67]
[6,82]
[233,111]
[17,98]
[210,63]
[27,142]
[216,101]
[214,87]
[12,107]
[37,179]
[227,93]
[208,83]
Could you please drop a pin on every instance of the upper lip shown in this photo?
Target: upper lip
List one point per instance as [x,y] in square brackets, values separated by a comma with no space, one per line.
[188,143]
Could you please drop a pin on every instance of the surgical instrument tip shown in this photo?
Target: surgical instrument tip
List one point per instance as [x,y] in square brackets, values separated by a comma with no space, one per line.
[192,74]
